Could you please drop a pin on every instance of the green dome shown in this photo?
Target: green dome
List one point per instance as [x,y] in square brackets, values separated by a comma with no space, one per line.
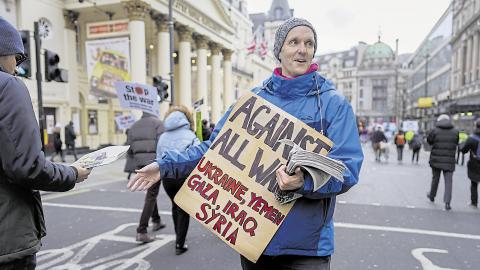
[378,50]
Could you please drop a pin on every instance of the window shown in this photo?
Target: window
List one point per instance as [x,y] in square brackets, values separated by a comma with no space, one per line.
[361,82]
[92,122]
[360,104]
[361,93]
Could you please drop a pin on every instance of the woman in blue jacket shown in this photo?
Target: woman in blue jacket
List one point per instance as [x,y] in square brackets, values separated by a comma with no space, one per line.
[178,136]
[305,238]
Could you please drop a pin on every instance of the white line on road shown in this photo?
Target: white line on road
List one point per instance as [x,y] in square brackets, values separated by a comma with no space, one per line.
[51,196]
[405,230]
[337,224]
[102,208]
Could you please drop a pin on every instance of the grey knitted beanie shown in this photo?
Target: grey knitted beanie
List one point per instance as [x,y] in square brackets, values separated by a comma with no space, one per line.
[443,117]
[283,30]
[10,41]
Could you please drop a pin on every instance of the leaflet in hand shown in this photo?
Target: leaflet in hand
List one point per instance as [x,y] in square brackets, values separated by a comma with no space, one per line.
[320,168]
[102,157]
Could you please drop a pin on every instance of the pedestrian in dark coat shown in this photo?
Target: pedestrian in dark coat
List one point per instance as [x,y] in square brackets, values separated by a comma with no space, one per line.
[473,165]
[206,132]
[24,170]
[444,141]
[378,136]
[70,138]
[416,144]
[129,162]
[57,144]
[143,137]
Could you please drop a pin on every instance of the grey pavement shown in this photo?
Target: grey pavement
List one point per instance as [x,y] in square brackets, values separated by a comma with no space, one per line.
[385,222]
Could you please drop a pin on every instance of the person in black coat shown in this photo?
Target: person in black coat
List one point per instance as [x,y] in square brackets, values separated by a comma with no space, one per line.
[70,137]
[57,144]
[473,165]
[24,170]
[444,141]
[206,132]
[378,136]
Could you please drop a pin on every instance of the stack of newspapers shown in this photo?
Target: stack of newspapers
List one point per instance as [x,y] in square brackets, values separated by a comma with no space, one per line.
[321,168]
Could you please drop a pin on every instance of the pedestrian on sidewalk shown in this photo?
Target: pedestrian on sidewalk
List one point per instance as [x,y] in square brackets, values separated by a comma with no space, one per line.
[70,137]
[400,143]
[206,132]
[416,144]
[472,145]
[24,170]
[178,136]
[305,238]
[129,162]
[444,141]
[57,144]
[378,137]
[462,137]
[143,137]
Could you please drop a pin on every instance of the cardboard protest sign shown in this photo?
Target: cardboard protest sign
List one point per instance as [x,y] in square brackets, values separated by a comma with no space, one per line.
[125,121]
[138,96]
[228,191]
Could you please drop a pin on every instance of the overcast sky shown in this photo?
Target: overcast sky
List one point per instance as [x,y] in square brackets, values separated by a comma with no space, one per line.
[340,24]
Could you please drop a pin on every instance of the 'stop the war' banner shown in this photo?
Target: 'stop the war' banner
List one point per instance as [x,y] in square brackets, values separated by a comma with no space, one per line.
[228,191]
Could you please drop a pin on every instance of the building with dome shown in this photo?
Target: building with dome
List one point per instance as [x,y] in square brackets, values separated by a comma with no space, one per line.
[371,77]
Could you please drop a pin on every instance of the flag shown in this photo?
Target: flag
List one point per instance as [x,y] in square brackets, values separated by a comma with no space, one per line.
[252,47]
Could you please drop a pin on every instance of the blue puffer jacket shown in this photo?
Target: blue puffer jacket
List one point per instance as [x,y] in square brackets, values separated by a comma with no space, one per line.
[308,228]
[177,135]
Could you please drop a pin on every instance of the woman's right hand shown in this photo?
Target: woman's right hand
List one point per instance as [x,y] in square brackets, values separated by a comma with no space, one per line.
[145,177]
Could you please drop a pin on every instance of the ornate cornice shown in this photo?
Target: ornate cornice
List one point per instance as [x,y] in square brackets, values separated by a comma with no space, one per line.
[136,9]
[201,41]
[227,54]
[161,20]
[215,48]
[184,33]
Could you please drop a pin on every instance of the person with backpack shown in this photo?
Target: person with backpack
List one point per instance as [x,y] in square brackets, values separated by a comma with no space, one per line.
[416,144]
[472,145]
[400,143]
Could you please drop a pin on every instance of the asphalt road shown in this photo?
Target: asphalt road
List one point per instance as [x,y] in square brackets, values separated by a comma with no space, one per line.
[385,222]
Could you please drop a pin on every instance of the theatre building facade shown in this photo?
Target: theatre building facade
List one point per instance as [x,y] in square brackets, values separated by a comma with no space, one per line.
[100,42]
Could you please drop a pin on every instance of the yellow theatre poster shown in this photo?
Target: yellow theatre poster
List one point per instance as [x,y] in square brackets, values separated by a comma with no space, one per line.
[229,191]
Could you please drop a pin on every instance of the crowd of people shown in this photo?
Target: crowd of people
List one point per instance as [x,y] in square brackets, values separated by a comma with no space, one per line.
[447,148]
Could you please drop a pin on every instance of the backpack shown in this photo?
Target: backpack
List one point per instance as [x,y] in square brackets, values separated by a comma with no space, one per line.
[477,154]
[400,139]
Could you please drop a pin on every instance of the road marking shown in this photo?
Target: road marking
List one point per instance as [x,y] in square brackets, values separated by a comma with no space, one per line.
[51,196]
[83,188]
[406,230]
[337,224]
[425,262]
[102,208]
[73,256]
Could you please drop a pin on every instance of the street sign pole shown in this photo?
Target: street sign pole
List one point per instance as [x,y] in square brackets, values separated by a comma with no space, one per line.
[41,116]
